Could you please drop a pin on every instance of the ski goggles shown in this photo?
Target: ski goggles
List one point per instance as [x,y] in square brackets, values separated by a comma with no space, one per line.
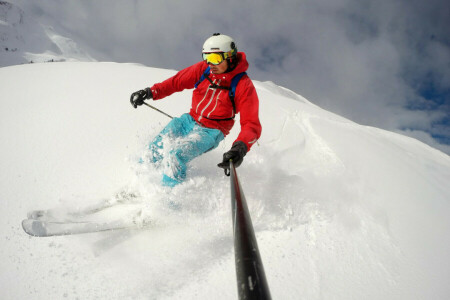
[216,58]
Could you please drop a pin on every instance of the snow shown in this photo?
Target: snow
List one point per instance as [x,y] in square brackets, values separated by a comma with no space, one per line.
[341,211]
[23,39]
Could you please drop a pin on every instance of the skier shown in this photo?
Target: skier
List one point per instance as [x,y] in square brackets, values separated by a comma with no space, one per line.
[212,112]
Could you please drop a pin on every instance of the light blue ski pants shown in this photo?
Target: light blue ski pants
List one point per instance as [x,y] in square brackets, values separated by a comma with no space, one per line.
[178,143]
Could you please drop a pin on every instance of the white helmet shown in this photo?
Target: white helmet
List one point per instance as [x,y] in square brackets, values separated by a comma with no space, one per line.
[220,43]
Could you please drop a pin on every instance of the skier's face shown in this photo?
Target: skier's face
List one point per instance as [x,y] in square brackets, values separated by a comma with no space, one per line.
[220,68]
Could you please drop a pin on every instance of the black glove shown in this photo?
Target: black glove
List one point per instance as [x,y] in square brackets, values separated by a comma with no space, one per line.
[137,98]
[236,154]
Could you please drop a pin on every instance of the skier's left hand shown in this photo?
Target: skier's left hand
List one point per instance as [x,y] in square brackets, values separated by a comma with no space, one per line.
[236,154]
[137,98]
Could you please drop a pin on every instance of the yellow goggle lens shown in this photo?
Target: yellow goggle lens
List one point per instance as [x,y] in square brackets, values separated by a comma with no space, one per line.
[213,58]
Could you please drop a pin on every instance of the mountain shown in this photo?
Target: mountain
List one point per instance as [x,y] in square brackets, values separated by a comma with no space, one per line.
[23,40]
[341,211]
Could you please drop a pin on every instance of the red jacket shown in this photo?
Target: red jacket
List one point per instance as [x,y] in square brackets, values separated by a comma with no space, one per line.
[210,103]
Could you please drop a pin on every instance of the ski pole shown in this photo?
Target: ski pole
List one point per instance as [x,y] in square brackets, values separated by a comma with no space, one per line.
[158,110]
[251,279]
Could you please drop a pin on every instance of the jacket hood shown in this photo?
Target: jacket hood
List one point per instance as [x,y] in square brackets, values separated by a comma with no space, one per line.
[242,65]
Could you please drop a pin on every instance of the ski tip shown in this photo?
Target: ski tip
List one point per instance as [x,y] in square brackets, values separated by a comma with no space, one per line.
[34,228]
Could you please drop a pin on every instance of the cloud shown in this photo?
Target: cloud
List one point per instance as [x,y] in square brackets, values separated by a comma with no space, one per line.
[381,63]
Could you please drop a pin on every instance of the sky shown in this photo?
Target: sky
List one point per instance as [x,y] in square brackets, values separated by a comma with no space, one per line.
[379,63]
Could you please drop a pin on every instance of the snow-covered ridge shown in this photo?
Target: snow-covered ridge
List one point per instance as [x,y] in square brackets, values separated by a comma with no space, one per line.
[23,40]
[10,14]
[341,211]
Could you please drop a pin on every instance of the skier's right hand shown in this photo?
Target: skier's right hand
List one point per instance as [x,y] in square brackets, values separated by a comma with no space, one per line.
[236,154]
[137,98]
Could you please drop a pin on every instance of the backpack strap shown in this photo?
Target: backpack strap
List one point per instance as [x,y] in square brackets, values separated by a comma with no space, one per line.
[232,92]
[204,75]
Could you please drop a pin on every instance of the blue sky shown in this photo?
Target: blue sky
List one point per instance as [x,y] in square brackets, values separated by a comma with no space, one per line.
[382,63]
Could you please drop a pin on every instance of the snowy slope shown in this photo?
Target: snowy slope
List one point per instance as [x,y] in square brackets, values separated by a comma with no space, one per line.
[23,40]
[341,211]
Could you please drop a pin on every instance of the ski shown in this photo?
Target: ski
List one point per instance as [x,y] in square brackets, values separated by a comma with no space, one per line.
[55,215]
[42,228]
[62,215]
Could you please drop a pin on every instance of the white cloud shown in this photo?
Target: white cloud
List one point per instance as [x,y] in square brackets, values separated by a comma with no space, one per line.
[364,60]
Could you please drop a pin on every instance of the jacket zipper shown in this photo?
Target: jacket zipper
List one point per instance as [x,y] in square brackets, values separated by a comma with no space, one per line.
[210,100]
